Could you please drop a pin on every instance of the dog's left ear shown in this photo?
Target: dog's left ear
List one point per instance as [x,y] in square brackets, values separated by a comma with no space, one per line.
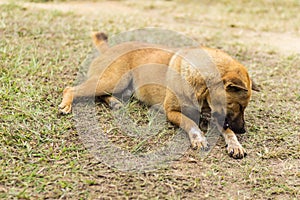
[235,85]
[255,87]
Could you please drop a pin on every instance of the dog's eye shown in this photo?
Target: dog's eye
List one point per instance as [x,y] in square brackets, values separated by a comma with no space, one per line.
[230,105]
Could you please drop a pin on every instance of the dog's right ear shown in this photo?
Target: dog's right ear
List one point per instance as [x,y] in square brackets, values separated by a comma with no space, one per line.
[233,84]
[100,41]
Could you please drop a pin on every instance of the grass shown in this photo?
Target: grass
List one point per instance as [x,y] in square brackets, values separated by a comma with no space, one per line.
[42,156]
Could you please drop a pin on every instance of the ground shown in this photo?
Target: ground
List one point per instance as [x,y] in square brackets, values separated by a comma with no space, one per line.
[42,47]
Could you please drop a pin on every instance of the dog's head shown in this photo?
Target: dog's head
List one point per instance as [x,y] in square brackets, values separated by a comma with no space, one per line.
[238,89]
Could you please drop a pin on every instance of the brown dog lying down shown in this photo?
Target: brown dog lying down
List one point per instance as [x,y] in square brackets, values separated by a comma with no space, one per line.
[199,77]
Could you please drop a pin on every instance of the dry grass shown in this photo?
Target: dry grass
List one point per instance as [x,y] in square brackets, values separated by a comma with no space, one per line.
[41,154]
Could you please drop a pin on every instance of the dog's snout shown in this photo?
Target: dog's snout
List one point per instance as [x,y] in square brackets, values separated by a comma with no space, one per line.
[235,126]
[242,130]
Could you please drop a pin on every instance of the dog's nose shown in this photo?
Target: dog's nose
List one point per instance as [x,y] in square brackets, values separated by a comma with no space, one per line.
[242,130]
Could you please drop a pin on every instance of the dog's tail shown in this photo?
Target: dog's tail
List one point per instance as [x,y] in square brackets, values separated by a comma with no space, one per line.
[100,41]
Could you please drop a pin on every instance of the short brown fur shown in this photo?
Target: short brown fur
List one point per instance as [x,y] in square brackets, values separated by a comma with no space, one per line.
[151,68]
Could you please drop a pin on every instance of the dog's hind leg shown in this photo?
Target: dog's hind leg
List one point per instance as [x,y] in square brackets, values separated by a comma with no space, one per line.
[94,86]
[113,102]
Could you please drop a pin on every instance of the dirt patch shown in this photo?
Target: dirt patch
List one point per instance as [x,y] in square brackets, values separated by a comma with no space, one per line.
[285,43]
[88,9]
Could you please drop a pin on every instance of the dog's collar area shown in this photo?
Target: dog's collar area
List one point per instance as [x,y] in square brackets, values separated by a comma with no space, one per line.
[221,120]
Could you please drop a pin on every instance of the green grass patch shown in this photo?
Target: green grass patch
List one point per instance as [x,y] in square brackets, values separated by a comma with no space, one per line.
[42,156]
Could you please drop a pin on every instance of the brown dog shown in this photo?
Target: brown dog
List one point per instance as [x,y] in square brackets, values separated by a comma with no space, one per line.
[177,79]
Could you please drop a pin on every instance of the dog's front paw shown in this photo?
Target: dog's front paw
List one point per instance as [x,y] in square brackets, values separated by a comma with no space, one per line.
[236,151]
[65,106]
[198,140]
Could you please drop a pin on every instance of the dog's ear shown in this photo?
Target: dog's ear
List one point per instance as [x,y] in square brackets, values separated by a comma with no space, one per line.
[234,85]
[231,87]
[255,87]
[100,41]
